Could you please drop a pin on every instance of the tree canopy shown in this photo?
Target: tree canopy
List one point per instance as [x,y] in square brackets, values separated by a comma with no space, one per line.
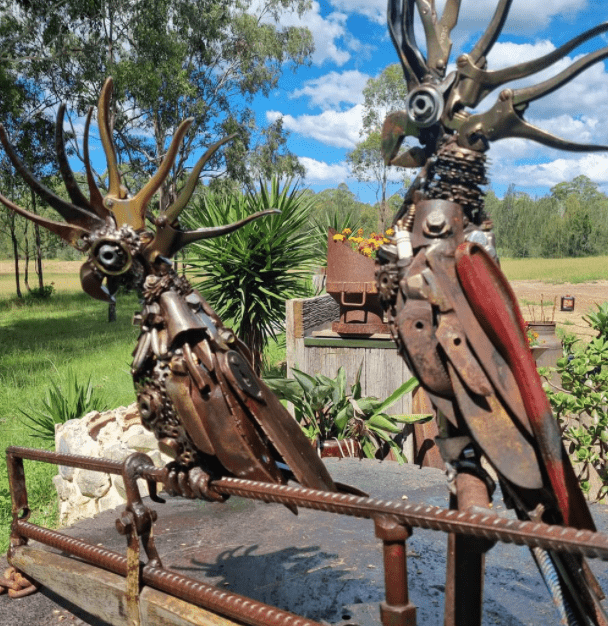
[170,60]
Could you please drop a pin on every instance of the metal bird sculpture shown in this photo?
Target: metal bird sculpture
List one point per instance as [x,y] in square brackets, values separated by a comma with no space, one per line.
[196,388]
[451,310]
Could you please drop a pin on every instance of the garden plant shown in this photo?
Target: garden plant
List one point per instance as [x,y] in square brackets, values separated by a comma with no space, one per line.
[326,410]
[581,404]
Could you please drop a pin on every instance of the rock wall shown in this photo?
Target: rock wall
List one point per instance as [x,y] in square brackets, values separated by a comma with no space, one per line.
[112,435]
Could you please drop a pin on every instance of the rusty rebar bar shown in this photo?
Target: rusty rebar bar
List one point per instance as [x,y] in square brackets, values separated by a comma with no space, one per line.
[488,526]
[71,460]
[191,590]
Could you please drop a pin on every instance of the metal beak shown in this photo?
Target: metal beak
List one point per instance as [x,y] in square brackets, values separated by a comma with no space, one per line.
[92,283]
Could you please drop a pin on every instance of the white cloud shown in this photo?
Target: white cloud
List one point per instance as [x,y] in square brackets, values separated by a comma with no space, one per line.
[334,89]
[339,129]
[548,174]
[524,15]
[321,172]
[375,10]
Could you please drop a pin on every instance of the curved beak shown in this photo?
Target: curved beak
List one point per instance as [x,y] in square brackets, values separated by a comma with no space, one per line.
[93,285]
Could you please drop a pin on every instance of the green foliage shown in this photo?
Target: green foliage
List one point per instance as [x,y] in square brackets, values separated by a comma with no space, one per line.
[248,275]
[570,222]
[170,60]
[63,402]
[40,293]
[598,320]
[326,410]
[581,404]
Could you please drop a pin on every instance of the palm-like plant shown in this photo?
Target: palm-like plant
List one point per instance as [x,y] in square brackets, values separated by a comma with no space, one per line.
[338,222]
[248,275]
[63,402]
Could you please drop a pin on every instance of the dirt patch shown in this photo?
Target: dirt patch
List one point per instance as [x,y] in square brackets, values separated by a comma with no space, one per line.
[586,296]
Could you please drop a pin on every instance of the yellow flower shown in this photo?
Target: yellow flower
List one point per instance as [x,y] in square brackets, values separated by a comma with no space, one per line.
[390,232]
[360,232]
[339,238]
[386,240]
[347,231]
[367,251]
[357,239]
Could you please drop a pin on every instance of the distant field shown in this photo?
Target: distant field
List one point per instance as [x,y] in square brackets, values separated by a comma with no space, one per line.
[64,275]
[579,270]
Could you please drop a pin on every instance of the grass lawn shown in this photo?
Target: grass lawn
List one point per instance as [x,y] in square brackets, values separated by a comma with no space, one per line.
[40,341]
[579,270]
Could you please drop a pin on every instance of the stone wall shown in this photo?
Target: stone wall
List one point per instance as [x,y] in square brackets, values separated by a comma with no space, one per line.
[111,435]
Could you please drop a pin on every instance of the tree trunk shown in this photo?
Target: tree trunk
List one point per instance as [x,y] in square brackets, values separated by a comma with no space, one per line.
[26,261]
[15,256]
[39,257]
[38,242]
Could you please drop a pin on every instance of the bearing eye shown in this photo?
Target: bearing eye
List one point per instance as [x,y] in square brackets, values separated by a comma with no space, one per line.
[112,257]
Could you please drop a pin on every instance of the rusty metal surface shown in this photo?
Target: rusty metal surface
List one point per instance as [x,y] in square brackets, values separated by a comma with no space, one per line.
[476,524]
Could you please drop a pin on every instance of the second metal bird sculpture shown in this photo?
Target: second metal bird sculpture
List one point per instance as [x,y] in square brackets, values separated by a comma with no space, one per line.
[451,310]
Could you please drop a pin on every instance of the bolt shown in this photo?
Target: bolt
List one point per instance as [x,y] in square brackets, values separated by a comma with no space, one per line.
[124,524]
[435,222]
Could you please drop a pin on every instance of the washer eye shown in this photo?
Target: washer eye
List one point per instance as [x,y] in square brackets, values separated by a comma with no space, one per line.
[112,258]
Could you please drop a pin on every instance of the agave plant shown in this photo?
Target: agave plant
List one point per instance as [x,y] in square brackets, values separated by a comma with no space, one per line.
[326,410]
[63,402]
[248,275]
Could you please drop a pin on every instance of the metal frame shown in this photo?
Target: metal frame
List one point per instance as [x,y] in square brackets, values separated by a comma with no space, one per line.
[473,530]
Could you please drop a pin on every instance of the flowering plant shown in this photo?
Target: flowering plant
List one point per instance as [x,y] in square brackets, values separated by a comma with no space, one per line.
[531,337]
[367,246]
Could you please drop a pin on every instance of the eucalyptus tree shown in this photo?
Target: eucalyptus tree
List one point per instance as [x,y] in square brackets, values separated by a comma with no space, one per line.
[381,96]
[170,60]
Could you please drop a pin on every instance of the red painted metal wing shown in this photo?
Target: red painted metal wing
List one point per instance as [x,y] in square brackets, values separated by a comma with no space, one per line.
[496,308]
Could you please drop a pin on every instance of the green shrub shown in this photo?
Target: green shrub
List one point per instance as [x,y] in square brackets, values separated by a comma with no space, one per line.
[63,402]
[581,404]
[40,293]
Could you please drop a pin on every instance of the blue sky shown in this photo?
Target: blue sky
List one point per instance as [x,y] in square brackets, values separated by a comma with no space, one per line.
[321,104]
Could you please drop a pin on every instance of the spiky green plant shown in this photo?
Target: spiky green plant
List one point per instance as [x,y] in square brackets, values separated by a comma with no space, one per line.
[338,222]
[248,275]
[63,402]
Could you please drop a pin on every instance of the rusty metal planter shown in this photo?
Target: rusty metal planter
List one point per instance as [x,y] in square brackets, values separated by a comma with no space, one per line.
[351,282]
[340,448]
